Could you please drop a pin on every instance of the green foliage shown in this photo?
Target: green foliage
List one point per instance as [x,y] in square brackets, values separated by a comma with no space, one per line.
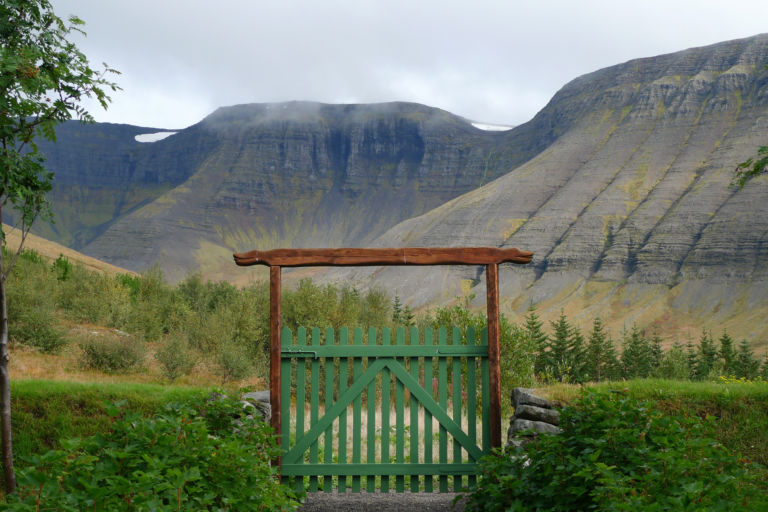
[618,453]
[62,267]
[751,167]
[745,365]
[600,362]
[636,356]
[45,411]
[727,353]
[674,364]
[111,354]
[188,457]
[175,357]
[517,349]
[533,329]
[43,78]
[32,314]
[563,357]
[234,362]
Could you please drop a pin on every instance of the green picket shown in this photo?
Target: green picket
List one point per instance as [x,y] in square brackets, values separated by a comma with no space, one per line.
[356,413]
[429,388]
[399,416]
[385,403]
[314,406]
[442,393]
[472,398]
[328,455]
[414,408]
[301,389]
[456,387]
[370,481]
[342,451]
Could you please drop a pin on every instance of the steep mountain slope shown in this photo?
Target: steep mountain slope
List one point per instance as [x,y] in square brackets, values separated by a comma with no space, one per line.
[628,212]
[264,175]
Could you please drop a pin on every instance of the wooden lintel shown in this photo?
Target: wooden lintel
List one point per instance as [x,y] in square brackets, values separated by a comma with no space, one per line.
[353,257]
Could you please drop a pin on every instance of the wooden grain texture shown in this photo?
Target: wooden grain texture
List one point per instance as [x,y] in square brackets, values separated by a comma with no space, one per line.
[494,365]
[275,295]
[371,257]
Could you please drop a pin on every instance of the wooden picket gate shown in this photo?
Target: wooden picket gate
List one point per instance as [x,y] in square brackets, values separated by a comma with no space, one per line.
[399,366]
[434,380]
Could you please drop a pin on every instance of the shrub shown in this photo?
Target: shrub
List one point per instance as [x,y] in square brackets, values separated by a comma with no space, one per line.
[234,362]
[175,357]
[111,355]
[186,458]
[616,453]
[38,327]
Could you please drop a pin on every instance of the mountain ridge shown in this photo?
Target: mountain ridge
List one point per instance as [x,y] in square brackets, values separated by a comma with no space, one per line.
[619,186]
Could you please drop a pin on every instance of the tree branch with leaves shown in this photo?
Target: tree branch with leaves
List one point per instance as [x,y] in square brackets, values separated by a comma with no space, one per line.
[44,78]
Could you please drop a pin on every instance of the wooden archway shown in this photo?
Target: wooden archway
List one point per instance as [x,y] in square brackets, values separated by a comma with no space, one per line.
[491,257]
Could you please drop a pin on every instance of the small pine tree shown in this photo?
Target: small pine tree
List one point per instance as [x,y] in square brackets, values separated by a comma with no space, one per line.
[596,352]
[726,353]
[636,354]
[746,365]
[656,351]
[408,319]
[577,350]
[397,311]
[706,356]
[764,369]
[691,356]
[559,359]
[537,338]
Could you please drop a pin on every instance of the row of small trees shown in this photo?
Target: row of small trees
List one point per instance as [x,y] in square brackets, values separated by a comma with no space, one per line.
[565,354]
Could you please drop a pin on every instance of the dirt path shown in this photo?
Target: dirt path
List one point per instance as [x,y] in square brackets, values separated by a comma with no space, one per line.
[381,502]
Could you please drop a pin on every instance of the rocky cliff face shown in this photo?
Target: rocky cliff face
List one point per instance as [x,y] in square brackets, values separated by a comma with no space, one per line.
[294,174]
[629,209]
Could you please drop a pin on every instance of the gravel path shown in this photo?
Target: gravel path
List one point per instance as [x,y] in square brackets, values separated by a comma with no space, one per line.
[381,502]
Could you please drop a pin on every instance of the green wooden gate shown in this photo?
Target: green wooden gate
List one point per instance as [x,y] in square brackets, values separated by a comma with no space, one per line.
[373,411]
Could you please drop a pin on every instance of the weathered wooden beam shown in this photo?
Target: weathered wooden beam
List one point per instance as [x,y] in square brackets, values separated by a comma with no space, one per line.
[396,256]
[494,363]
[275,297]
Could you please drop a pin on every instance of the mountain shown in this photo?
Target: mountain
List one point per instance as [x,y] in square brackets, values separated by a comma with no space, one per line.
[294,174]
[629,212]
[620,186]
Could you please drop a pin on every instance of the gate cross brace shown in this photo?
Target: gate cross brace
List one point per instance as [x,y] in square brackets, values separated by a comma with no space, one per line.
[491,257]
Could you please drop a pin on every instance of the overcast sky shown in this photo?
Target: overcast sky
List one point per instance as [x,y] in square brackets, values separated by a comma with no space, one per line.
[489,61]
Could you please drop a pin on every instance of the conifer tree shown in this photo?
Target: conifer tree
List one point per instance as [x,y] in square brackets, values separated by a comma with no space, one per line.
[559,350]
[691,356]
[537,338]
[577,351]
[600,357]
[397,310]
[656,350]
[745,364]
[706,356]
[636,354]
[726,353]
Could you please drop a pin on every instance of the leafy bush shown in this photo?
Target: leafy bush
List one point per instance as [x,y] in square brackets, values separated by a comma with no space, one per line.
[175,357]
[616,453]
[111,355]
[38,327]
[234,362]
[186,458]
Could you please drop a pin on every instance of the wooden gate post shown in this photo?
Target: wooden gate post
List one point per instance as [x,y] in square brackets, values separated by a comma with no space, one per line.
[494,366]
[274,351]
